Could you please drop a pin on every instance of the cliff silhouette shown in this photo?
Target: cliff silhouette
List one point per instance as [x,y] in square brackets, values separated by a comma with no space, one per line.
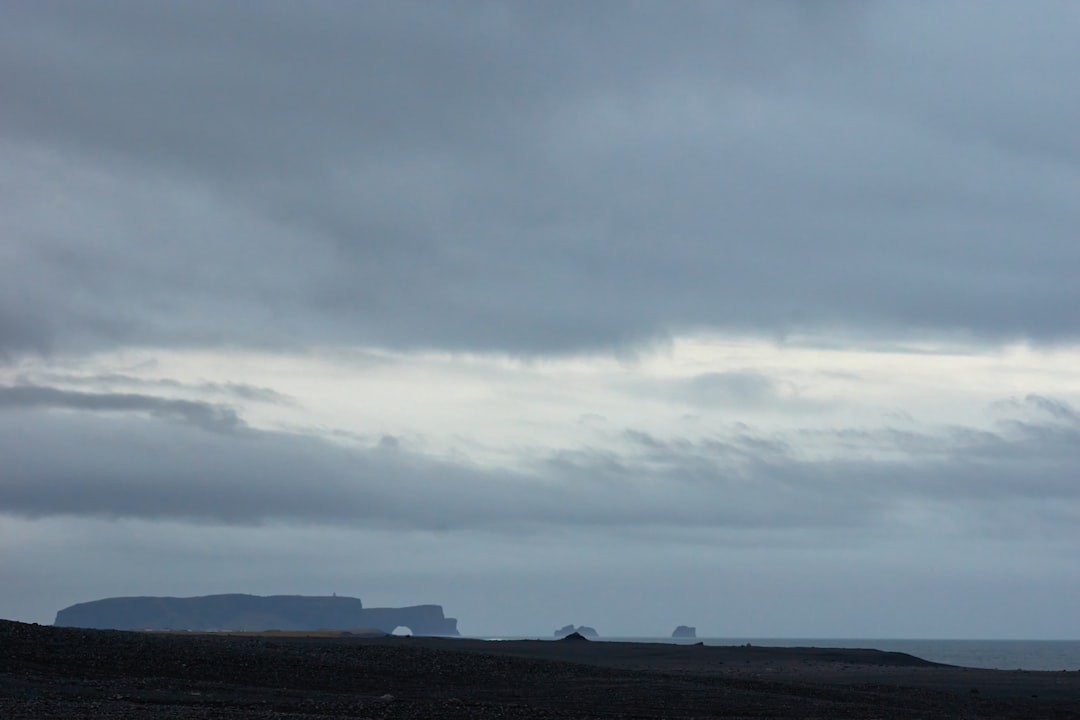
[252,613]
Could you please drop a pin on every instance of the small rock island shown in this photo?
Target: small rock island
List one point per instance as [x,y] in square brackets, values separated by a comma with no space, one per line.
[684,631]
[582,630]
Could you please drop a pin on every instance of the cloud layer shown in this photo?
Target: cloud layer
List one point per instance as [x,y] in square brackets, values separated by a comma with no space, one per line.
[768,306]
[535,179]
[153,458]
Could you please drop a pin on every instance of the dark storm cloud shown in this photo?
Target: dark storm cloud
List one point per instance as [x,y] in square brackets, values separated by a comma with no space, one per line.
[535,177]
[130,463]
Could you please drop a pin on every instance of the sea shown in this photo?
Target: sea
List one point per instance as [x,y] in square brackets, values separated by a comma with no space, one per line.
[1053,655]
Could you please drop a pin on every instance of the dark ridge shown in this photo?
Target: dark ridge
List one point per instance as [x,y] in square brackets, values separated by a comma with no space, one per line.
[56,672]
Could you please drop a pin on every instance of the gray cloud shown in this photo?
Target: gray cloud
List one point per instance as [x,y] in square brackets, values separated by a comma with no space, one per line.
[533,178]
[1056,409]
[203,415]
[740,389]
[140,466]
[241,391]
[731,387]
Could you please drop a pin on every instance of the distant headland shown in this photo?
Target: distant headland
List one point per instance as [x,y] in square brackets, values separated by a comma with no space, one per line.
[239,612]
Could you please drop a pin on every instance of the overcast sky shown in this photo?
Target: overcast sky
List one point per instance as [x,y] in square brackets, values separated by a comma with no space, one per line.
[762,317]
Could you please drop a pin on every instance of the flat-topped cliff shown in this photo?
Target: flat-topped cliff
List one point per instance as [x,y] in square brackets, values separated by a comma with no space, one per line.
[252,612]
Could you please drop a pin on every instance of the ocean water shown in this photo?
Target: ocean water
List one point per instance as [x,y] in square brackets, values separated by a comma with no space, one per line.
[995,654]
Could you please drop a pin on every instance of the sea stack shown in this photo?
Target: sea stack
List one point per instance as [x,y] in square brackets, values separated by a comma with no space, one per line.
[584,630]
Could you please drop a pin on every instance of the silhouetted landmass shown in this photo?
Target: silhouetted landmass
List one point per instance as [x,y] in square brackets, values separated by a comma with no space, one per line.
[583,630]
[574,637]
[54,672]
[252,613]
[684,631]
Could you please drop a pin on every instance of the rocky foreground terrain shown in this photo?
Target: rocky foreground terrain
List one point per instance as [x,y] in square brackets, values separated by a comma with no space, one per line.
[51,672]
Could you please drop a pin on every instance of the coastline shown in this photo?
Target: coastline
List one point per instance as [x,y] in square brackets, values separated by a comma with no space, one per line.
[48,671]
[990,654]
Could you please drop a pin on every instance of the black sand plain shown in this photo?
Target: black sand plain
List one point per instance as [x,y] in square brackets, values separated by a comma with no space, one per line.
[50,672]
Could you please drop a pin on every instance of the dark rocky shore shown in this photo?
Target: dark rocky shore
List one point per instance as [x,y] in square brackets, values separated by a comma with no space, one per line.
[50,672]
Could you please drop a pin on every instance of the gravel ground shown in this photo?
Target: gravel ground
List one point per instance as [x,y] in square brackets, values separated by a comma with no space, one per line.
[48,672]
